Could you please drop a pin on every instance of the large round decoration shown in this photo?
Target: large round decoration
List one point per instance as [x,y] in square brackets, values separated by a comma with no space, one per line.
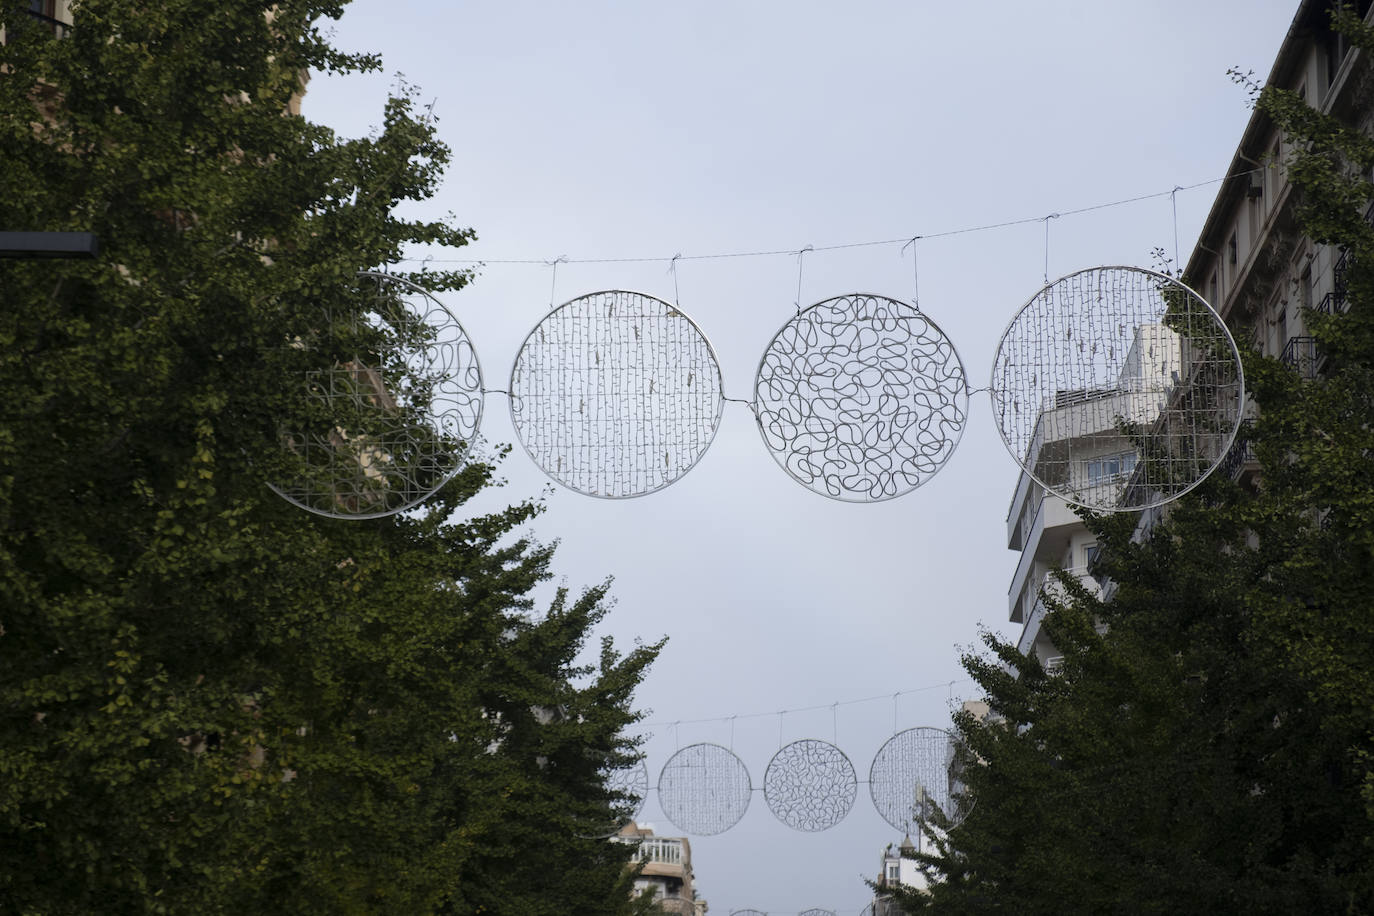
[810,785]
[704,789]
[914,774]
[1117,388]
[861,398]
[393,404]
[616,394]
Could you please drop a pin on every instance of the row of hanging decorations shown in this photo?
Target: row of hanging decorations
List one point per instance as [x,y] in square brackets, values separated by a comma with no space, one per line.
[1116,388]
[809,785]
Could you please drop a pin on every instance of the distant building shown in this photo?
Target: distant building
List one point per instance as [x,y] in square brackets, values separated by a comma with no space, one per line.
[895,871]
[667,871]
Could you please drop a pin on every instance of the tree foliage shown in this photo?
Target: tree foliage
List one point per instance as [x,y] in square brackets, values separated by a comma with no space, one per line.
[1207,745]
[211,700]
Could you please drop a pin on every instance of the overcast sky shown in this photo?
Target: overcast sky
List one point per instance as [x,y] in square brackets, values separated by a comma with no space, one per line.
[600,130]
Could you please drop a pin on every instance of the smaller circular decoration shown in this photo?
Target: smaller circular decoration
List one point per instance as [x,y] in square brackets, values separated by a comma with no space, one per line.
[631,782]
[616,394]
[1117,388]
[810,785]
[704,789]
[915,774]
[861,398]
[392,402]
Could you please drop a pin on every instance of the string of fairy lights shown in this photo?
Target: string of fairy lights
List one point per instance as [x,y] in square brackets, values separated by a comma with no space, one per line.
[860,398]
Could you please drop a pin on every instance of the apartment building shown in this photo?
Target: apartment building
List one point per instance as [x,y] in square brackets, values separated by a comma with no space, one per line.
[667,870]
[1253,265]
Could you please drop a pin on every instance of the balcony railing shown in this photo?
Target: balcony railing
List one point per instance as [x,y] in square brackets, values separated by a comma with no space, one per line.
[1241,453]
[1300,353]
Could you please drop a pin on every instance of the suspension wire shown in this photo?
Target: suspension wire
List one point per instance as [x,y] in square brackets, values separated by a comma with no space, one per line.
[1173,199]
[915,273]
[778,252]
[800,255]
[674,723]
[1047,245]
[553,283]
[672,269]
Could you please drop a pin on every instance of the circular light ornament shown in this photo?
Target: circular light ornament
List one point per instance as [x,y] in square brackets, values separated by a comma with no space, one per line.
[1117,388]
[704,789]
[914,774]
[861,398]
[810,785]
[392,413]
[631,782]
[616,394]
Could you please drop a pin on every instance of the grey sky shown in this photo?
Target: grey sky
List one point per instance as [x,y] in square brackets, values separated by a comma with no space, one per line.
[620,130]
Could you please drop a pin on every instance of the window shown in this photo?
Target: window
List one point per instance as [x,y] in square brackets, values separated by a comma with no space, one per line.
[1111,467]
[892,872]
[1232,249]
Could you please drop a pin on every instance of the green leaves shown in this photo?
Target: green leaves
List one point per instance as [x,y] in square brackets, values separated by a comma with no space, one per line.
[212,701]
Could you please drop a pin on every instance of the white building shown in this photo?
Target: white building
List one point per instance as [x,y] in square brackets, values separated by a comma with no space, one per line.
[667,870]
[1252,265]
[896,870]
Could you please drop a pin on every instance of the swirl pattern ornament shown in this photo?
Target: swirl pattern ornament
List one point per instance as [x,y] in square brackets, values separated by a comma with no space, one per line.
[810,785]
[913,774]
[861,398]
[632,783]
[616,394]
[704,789]
[392,403]
[1117,388]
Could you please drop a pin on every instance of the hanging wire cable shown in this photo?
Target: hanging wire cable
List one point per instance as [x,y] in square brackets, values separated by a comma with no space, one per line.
[779,252]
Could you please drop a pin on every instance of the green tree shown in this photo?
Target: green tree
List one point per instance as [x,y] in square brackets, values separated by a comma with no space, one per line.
[1210,751]
[211,700]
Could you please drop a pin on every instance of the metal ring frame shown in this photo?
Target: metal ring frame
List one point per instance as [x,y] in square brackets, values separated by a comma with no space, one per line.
[396,413]
[914,769]
[861,398]
[616,394]
[1117,388]
[704,789]
[810,785]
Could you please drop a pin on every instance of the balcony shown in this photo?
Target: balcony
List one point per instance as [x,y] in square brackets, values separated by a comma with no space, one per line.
[1241,457]
[1300,354]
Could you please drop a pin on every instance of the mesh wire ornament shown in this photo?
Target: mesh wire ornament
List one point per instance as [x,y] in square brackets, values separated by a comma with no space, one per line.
[704,789]
[631,782]
[748,913]
[810,785]
[861,398]
[393,416]
[1117,388]
[915,774]
[616,394]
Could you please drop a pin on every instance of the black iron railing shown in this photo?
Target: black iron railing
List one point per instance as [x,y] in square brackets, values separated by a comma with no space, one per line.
[1300,354]
[1241,453]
